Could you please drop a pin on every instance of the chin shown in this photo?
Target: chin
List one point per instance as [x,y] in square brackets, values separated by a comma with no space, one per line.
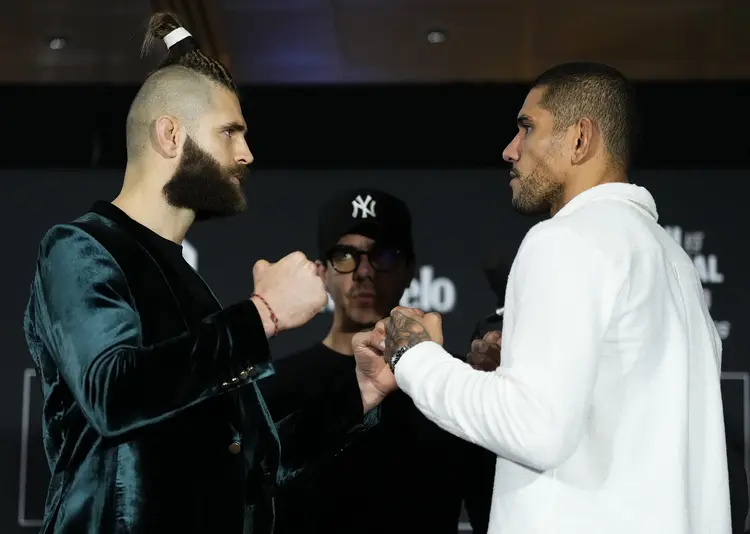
[364,317]
[529,208]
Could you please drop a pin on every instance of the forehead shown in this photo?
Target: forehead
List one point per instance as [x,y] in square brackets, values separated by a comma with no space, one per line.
[356,240]
[531,106]
[225,106]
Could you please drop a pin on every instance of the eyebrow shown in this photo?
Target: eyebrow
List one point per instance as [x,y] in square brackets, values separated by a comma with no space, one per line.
[523,119]
[233,127]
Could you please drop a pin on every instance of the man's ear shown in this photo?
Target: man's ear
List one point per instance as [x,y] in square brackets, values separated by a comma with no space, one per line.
[166,136]
[585,141]
[320,268]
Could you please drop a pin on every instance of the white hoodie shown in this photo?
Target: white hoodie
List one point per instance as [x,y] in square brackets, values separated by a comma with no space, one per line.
[606,411]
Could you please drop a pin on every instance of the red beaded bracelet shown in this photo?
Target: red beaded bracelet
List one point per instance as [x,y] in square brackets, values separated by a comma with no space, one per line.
[273,315]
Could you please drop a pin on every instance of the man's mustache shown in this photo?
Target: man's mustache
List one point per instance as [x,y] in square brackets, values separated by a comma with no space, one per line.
[240,172]
[360,289]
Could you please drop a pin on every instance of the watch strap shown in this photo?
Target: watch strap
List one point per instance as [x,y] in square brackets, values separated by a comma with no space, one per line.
[397,356]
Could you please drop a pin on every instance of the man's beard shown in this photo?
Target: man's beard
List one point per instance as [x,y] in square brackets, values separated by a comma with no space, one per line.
[203,185]
[538,191]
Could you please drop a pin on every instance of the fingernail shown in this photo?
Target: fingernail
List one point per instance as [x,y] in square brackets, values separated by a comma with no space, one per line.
[382,345]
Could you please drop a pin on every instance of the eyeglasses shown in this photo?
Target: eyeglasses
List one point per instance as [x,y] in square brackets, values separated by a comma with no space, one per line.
[346,259]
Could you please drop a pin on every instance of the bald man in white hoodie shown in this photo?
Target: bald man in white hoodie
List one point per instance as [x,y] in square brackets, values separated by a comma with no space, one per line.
[605,412]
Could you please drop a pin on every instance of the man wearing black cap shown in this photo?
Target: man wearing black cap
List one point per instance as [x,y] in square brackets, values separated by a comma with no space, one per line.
[367,261]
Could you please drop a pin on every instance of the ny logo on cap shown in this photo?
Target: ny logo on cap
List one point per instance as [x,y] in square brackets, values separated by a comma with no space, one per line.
[364,207]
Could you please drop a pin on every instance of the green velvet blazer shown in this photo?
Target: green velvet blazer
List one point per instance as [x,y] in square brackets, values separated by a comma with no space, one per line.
[153,422]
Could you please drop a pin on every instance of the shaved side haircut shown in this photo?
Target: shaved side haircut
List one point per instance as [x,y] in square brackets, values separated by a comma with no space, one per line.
[181,86]
[573,91]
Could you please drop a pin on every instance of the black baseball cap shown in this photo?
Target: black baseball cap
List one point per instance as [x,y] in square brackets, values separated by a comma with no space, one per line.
[368,212]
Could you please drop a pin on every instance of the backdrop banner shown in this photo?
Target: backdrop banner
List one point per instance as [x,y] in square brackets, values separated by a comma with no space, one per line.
[460,217]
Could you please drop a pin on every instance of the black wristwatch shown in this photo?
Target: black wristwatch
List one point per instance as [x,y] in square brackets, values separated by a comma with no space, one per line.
[397,355]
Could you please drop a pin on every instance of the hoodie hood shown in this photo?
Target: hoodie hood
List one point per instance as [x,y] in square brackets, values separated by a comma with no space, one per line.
[625,192]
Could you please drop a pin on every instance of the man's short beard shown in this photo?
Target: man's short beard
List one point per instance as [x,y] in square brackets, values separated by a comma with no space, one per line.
[203,185]
[538,193]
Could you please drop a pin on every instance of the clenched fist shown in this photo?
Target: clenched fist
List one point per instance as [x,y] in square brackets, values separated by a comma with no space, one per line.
[292,289]
[485,352]
[374,377]
[409,326]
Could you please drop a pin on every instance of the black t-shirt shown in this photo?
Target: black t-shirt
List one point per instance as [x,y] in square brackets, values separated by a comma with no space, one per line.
[415,474]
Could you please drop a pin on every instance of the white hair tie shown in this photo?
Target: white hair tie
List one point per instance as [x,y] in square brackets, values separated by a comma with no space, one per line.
[175,36]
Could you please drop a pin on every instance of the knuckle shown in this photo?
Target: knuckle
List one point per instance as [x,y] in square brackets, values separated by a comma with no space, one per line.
[493,336]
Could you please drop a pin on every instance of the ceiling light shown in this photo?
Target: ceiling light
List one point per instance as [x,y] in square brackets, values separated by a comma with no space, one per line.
[435,37]
[57,43]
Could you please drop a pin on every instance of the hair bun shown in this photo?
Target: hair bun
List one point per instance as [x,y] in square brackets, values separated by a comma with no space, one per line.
[167,28]
[183,49]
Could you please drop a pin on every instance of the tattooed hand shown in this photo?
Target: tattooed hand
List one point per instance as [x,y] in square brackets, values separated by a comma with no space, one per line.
[407,327]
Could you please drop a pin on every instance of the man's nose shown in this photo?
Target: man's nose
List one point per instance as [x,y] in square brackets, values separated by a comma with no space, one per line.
[511,152]
[244,156]
[365,268]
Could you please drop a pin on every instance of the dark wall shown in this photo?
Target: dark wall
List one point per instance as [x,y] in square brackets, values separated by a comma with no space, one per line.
[459,216]
[461,126]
